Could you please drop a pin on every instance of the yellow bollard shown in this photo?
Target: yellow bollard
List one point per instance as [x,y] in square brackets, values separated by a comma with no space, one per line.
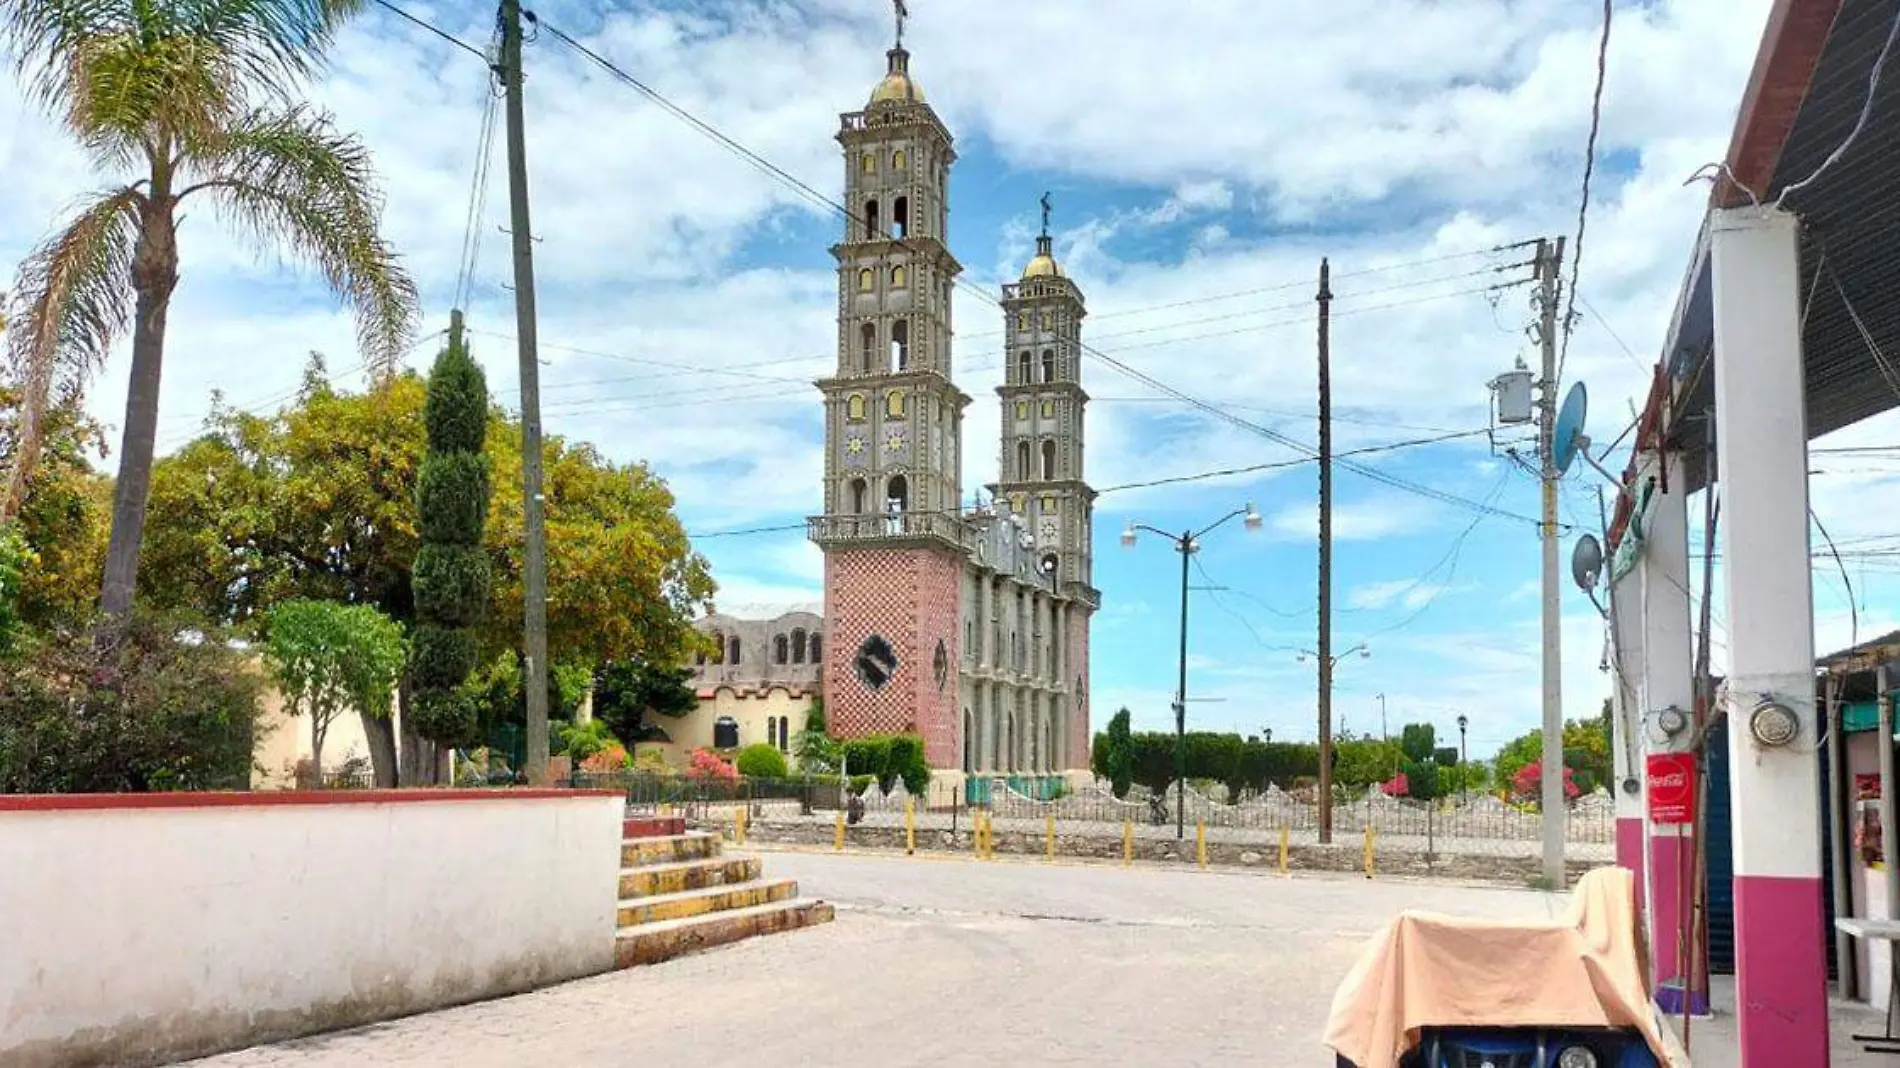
[1284,836]
[1128,843]
[738,825]
[1200,843]
[838,841]
[1368,852]
[976,834]
[910,827]
[1050,848]
[989,839]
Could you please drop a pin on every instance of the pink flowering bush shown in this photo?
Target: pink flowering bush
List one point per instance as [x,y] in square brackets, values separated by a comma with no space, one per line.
[1529,781]
[708,766]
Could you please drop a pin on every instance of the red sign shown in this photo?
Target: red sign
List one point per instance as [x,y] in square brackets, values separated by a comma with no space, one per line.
[1672,788]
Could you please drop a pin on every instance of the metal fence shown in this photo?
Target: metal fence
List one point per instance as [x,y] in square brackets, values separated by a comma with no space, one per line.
[1481,824]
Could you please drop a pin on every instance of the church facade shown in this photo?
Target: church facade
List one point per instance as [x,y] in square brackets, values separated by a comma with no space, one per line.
[967,623]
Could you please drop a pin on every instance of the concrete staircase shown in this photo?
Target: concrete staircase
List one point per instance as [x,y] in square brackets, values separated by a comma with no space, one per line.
[679,894]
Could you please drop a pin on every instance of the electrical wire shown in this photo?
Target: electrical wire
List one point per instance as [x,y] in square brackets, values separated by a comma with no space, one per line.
[444,34]
[1866,110]
[1225,472]
[813,195]
[1583,200]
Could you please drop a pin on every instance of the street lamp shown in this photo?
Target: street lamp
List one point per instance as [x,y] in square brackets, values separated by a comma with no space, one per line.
[1186,544]
[1326,733]
[1464,780]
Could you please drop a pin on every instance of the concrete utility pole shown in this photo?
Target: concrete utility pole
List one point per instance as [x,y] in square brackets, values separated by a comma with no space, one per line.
[534,564]
[1325,650]
[1549,267]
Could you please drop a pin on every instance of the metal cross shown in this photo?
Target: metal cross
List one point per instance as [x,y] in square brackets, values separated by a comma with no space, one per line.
[1045,204]
[903,13]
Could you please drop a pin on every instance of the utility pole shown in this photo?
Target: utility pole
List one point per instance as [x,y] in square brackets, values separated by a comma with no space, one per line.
[1180,699]
[1549,269]
[534,565]
[1325,651]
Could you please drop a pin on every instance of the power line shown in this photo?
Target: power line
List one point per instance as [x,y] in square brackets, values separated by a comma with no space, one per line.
[821,199]
[1278,464]
[444,34]
[1583,200]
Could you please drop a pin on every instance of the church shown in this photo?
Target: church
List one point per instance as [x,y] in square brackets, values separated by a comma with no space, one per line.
[966,622]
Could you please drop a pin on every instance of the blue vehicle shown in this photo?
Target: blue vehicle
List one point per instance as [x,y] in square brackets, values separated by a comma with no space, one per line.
[1464,1047]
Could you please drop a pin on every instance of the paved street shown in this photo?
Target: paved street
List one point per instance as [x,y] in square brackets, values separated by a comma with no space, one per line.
[951,962]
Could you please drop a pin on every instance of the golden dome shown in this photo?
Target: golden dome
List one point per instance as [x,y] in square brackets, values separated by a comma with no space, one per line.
[1043,265]
[898,87]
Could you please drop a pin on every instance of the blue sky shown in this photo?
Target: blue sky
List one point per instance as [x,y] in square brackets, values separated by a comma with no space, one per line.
[1203,158]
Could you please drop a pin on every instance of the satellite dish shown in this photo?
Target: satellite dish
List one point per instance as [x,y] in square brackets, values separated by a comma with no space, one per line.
[1586,562]
[1568,435]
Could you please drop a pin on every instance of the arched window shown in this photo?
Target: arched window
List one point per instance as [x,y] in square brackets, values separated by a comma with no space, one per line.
[897,277]
[1022,461]
[854,407]
[900,216]
[798,645]
[719,648]
[872,231]
[732,648]
[771,730]
[784,734]
[900,335]
[1022,321]
[817,648]
[1048,365]
[1048,320]
[858,490]
[868,164]
[897,160]
[1048,409]
[1048,458]
[897,494]
[781,649]
[1022,409]
[1022,366]
[864,280]
[894,404]
[725,733]
[867,344]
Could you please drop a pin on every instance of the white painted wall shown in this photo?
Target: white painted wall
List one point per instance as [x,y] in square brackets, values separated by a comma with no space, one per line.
[137,935]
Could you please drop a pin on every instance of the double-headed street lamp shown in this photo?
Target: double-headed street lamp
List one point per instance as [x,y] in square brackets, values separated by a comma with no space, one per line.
[1186,543]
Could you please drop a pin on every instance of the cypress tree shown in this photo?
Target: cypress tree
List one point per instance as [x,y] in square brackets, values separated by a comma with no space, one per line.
[450,576]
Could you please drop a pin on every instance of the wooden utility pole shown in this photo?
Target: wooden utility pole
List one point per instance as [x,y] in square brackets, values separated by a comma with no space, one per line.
[1325,649]
[534,564]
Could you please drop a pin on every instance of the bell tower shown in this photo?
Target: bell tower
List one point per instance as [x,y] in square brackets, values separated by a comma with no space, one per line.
[892,531]
[1043,411]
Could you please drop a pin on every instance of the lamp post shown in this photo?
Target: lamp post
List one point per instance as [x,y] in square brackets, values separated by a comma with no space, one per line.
[1185,543]
[1326,737]
[1464,781]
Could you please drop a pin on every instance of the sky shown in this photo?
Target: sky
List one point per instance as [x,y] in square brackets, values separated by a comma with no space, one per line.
[1202,159]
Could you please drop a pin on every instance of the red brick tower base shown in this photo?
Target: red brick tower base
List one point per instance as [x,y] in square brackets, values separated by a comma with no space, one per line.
[910,597]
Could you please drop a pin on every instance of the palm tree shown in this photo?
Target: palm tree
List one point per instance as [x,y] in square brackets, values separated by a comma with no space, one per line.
[184,99]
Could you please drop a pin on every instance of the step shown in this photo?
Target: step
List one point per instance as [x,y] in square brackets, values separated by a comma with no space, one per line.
[650,943]
[650,879]
[668,849]
[652,826]
[686,903]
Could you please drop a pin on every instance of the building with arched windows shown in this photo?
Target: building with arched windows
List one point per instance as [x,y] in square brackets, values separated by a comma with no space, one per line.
[967,624]
[758,684]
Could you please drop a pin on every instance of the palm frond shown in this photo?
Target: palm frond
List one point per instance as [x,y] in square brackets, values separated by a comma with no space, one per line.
[128,75]
[72,300]
[299,187]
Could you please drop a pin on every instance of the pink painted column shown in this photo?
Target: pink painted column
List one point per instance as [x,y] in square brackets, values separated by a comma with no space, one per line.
[1775,795]
[1667,697]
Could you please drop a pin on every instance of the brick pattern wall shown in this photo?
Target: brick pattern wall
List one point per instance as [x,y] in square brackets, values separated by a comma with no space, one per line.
[911,597]
[1078,667]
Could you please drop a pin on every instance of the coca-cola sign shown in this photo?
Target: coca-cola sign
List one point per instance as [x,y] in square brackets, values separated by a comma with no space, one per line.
[1672,788]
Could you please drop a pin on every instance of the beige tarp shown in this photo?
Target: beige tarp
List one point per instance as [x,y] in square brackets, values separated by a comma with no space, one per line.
[1425,970]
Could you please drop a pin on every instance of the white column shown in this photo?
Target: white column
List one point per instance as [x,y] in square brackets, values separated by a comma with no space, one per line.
[1626,717]
[1775,796]
[1668,684]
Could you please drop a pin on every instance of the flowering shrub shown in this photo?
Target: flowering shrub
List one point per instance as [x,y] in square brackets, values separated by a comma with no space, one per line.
[708,766]
[611,759]
[1396,786]
[1529,779]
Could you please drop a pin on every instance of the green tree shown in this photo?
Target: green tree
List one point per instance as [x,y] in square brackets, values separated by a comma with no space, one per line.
[628,692]
[329,658]
[1116,753]
[12,567]
[1360,762]
[62,519]
[1419,744]
[813,747]
[181,100]
[450,577]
